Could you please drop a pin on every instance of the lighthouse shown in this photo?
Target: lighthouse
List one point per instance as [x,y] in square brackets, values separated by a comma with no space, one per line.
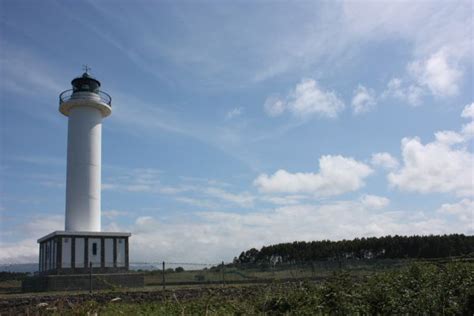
[85,106]
[82,254]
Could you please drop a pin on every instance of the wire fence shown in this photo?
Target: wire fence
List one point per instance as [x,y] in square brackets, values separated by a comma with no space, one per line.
[176,273]
[169,273]
[186,273]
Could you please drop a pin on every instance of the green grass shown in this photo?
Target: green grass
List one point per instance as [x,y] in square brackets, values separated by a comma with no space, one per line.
[255,272]
[421,288]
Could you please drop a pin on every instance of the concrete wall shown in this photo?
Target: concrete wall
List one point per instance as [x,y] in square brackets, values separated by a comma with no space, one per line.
[82,282]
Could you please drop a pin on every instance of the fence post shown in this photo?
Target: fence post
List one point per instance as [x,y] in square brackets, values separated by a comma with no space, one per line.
[223,276]
[90,277]
[163,276]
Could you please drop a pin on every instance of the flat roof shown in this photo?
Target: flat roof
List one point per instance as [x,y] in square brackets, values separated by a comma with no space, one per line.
[86,234]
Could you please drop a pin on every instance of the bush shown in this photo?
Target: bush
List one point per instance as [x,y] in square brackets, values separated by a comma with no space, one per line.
[418,289]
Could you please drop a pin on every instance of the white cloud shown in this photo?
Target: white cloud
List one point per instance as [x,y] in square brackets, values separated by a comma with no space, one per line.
[442,44]
[234,113]
[411,94]
[374,202]
[25,250]
[449,137]
[394,88]
[274,106]
[305,100]
[363,100]
[444,165]
[327,35]
[324,36]
[27,74]
[147,181]
[468,111]
[201,203]
[463,210]
[213,236]
[243,199]
[218,236]
[384,160]
[142,180]
[309,99]
[434,167]
[337,175]
[283,200]
[468,130]
[440,73]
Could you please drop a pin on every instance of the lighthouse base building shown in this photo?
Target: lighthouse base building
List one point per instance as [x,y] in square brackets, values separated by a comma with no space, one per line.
[83,261]
[64,252]
[82,257]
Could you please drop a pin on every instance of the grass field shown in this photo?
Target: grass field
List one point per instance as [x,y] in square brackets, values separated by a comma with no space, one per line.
[417,288]
[253,273]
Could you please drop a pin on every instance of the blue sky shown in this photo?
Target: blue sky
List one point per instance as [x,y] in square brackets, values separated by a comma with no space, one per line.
[242,124]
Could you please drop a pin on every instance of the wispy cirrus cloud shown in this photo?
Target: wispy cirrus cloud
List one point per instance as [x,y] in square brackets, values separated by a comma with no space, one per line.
[148,181]
[27,75]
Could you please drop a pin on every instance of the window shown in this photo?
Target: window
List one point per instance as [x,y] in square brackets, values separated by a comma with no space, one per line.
[94,249]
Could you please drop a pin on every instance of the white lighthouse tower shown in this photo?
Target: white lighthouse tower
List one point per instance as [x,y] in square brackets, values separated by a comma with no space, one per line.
[85,108]
[68,258]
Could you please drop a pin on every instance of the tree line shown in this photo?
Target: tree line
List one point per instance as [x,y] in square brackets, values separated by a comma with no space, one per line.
[387,247]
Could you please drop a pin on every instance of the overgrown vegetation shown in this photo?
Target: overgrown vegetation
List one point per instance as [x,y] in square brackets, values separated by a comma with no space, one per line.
[418,289]
[9,276]
[388,247]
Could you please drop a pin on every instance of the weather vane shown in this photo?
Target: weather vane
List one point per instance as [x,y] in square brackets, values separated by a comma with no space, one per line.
[86,68]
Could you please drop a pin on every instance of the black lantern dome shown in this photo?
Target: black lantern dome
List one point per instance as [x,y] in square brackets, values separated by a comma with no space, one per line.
[85,83]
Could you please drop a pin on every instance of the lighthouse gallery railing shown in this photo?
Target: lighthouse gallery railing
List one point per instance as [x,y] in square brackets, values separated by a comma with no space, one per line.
[67,95]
